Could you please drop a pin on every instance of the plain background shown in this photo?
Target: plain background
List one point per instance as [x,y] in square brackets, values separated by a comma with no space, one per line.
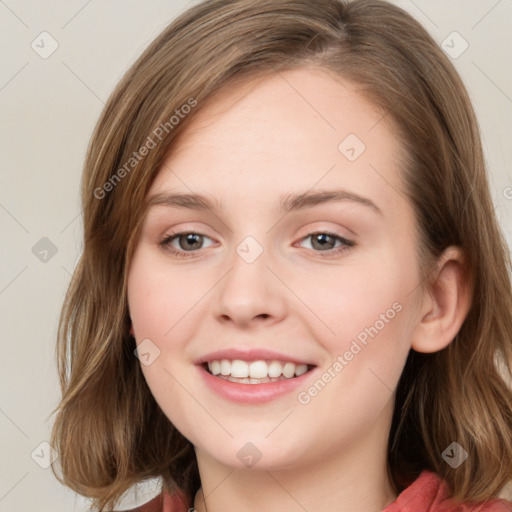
[49,108]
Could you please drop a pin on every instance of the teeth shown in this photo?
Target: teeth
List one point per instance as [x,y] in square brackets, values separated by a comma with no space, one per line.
[301,369]
[215,367]
[225,367]
[275,369]
[255,370]
[289,370]
[258,370]
[239,369]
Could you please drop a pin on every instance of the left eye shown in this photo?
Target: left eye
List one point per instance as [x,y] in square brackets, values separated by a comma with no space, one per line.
[326,242]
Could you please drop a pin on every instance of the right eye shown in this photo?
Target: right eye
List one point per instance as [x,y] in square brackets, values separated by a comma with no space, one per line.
[187,241]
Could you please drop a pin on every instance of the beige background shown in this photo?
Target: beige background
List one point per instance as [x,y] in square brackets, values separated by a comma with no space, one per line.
[49,107]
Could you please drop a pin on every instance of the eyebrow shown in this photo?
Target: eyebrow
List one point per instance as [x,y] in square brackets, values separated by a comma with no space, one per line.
[288,202]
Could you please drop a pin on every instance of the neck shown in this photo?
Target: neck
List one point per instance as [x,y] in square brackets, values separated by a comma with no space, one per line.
[352,479]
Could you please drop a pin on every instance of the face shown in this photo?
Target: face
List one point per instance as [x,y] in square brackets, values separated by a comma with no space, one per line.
[276,306]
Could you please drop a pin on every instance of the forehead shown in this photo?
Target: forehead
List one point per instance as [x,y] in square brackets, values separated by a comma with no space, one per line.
[327,106]
[285,132]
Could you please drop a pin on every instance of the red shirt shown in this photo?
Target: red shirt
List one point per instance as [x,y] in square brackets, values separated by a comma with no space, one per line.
[427,493]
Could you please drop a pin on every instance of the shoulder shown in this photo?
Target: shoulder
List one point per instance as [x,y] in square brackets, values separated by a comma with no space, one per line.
[429,493]
[164,502]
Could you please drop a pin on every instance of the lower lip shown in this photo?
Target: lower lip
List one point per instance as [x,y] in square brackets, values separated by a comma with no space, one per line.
[252,393]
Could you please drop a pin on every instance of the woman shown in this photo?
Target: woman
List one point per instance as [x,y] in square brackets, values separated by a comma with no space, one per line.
[259,364]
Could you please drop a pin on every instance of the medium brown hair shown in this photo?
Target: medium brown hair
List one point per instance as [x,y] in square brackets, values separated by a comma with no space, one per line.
[109,431]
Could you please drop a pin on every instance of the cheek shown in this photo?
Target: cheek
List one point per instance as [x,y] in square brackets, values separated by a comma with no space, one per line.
[161,311]
[159,296]
[365,357]
[352,301]
[368,315]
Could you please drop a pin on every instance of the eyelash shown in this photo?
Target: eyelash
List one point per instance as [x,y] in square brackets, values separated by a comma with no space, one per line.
[347,244]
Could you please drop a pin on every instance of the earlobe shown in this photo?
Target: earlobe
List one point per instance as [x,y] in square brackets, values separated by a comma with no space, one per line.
[446,303]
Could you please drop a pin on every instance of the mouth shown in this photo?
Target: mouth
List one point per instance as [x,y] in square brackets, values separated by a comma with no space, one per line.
[254,375]
[255,372]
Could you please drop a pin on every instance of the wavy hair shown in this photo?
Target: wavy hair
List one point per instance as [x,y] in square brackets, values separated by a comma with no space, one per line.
[109,431]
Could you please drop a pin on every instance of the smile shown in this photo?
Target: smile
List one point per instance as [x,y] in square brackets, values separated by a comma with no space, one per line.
[254,375]
[255,372]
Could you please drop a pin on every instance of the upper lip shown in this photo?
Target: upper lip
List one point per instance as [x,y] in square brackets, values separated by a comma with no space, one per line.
[253,354]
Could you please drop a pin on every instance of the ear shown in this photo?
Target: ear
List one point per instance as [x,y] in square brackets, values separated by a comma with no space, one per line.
[446,305]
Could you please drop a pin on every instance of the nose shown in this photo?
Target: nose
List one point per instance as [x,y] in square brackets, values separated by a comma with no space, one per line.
[250,293]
